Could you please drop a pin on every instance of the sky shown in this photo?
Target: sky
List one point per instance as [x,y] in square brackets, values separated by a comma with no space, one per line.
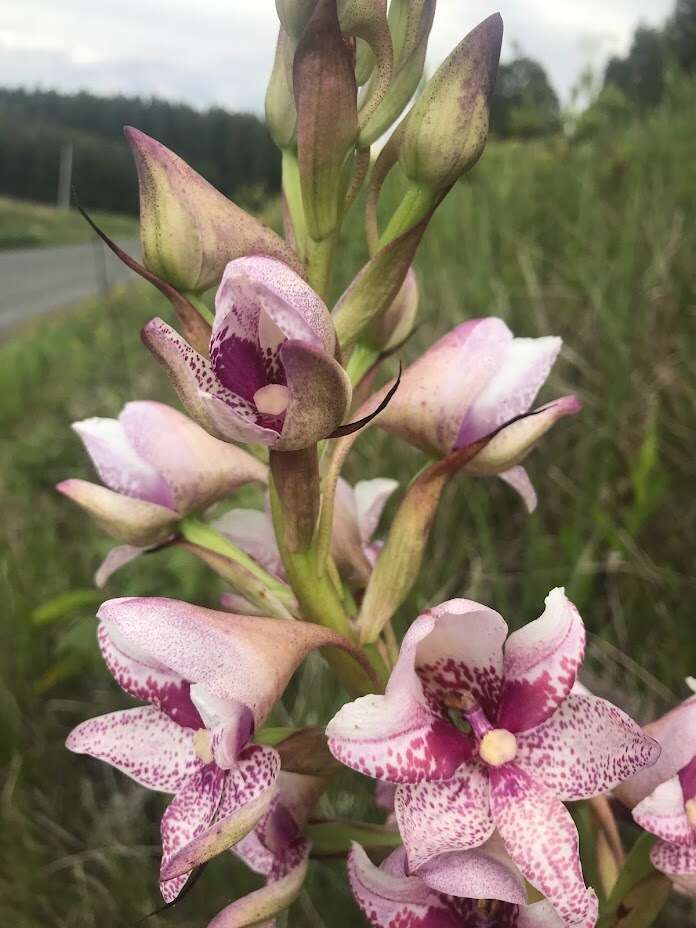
[219,52]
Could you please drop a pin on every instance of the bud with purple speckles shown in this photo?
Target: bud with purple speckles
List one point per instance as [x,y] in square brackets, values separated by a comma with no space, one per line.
[189,231]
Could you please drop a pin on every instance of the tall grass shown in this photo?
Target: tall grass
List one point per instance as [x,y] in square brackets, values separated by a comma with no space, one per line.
[592,242]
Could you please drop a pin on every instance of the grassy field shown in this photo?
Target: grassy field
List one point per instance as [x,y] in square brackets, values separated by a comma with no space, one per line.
[594,243]
[26,225]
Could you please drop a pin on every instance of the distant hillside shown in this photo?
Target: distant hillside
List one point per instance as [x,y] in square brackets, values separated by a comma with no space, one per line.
[232,150]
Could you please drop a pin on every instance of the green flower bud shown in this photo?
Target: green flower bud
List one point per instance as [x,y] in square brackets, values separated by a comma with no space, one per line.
[189,231]
[446,130]
[410,22]
[281,115]
[327,119]
[294,15]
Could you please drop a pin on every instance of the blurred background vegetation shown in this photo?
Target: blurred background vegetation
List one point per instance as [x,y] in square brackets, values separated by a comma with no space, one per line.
[575,224]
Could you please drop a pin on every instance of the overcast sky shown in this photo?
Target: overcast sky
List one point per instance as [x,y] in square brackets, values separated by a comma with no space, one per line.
[208,52]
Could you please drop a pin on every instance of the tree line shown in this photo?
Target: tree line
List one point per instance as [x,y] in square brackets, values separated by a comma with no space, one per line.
[232,150]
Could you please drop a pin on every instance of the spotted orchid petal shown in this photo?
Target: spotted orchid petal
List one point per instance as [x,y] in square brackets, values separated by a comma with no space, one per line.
[215,810]
[397,737]
[678,862]
[513,442]
[252,531]
[257,284]
[150,682]
[197,468]
[511,390]
[540,665]
[134,521]
[462,657]
[217,409]
[438,389]
[238,664]
[143,743]
[453,815]
[116,559]
[190,814]
[387,897]
[518,478]
[119,464]
[662,813]
[541,838]
[485,872]
[675,732]
[585,748]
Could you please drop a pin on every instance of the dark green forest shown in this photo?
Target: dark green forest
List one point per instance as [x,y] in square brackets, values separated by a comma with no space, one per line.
[232,150]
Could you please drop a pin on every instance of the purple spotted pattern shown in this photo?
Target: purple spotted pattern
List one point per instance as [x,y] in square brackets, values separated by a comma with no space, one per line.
[270,329]
[166,746]
[669,813]
[391,898]
[519,742]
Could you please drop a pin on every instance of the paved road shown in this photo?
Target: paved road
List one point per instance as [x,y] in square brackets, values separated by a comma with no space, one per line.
[36,280]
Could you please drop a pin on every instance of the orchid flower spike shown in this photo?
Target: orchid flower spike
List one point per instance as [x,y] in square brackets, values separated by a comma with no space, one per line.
[272,377]
[481,733]
[210,679]
[156,466]
[473,381]
[388,895]
[664,796]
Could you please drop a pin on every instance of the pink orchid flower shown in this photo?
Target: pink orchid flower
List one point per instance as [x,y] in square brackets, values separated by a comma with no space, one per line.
[272,377]
[157,466]
[664,803]
[276,849]
[358,510]
[210,679]
[472,381]
[481,733]
[389,896]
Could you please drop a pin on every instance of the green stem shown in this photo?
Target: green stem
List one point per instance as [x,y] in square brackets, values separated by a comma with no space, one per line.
[198,304]
[321,603]
[204,535]
[637,878]
[334,838]
[361,360]
[416,204]
[319,262]
[293,197]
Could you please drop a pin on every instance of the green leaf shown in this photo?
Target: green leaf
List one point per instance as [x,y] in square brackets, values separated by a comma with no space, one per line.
[65,605]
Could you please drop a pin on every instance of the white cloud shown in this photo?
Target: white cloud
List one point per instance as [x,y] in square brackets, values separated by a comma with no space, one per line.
[220,51]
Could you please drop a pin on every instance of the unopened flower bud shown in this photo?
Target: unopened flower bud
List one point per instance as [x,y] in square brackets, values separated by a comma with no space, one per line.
[281,115]
[294,15]
[189,231]
[410,22]
[446,130]
[327,118]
